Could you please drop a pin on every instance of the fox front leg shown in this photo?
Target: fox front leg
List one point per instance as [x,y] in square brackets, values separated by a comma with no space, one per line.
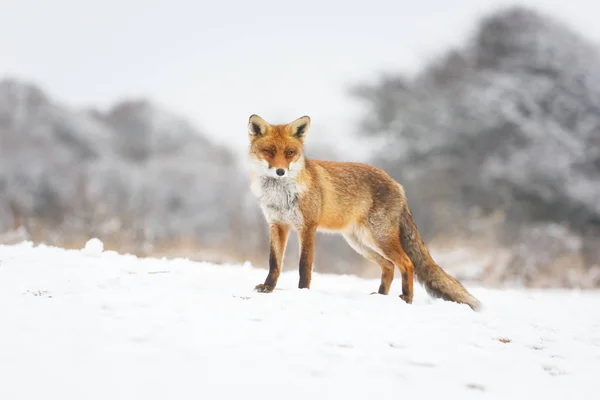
[278,237]
[307,254]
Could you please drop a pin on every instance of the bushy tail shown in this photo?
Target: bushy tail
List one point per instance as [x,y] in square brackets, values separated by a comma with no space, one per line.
[435,280]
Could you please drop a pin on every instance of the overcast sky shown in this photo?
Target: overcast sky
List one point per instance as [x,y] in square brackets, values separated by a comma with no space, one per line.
[217,62]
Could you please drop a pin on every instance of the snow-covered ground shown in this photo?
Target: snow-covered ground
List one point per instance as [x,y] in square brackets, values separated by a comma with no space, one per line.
[98,325]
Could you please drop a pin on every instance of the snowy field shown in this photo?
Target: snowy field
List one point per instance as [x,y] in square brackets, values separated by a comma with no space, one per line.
[98,325]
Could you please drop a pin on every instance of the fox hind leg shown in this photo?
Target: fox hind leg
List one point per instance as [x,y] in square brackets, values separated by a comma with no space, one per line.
[392,250]
[407,270]
[387,267]
[382,235]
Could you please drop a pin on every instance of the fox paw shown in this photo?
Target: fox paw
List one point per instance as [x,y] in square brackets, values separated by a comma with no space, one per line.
[375,293]
[262,288]
[406,298]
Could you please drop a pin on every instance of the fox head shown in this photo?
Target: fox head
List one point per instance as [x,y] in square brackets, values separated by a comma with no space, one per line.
[277,150]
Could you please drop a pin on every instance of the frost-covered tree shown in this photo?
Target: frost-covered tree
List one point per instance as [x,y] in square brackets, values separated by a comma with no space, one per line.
[136,176]
[507,125]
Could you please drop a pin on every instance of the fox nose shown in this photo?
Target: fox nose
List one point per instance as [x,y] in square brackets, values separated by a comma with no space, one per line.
[280,171]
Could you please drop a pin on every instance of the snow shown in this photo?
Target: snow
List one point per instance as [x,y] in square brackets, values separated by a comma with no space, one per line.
[93,247]
[94,324]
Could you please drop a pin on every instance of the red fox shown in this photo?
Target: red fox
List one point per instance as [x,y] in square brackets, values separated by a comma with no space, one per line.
[360,202]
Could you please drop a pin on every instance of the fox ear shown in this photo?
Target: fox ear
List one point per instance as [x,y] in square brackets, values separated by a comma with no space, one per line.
[299,127]
[257,126]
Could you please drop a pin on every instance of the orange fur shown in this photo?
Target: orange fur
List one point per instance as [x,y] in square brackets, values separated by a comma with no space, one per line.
[356,200]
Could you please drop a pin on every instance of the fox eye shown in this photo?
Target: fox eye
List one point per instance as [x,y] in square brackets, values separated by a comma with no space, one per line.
[269,152]
[289,153]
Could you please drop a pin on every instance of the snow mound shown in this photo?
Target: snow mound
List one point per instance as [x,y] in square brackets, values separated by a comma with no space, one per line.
[93,247]
[121,327]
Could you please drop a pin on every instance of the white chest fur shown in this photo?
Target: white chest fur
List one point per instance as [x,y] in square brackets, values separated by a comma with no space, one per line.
[279,199]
